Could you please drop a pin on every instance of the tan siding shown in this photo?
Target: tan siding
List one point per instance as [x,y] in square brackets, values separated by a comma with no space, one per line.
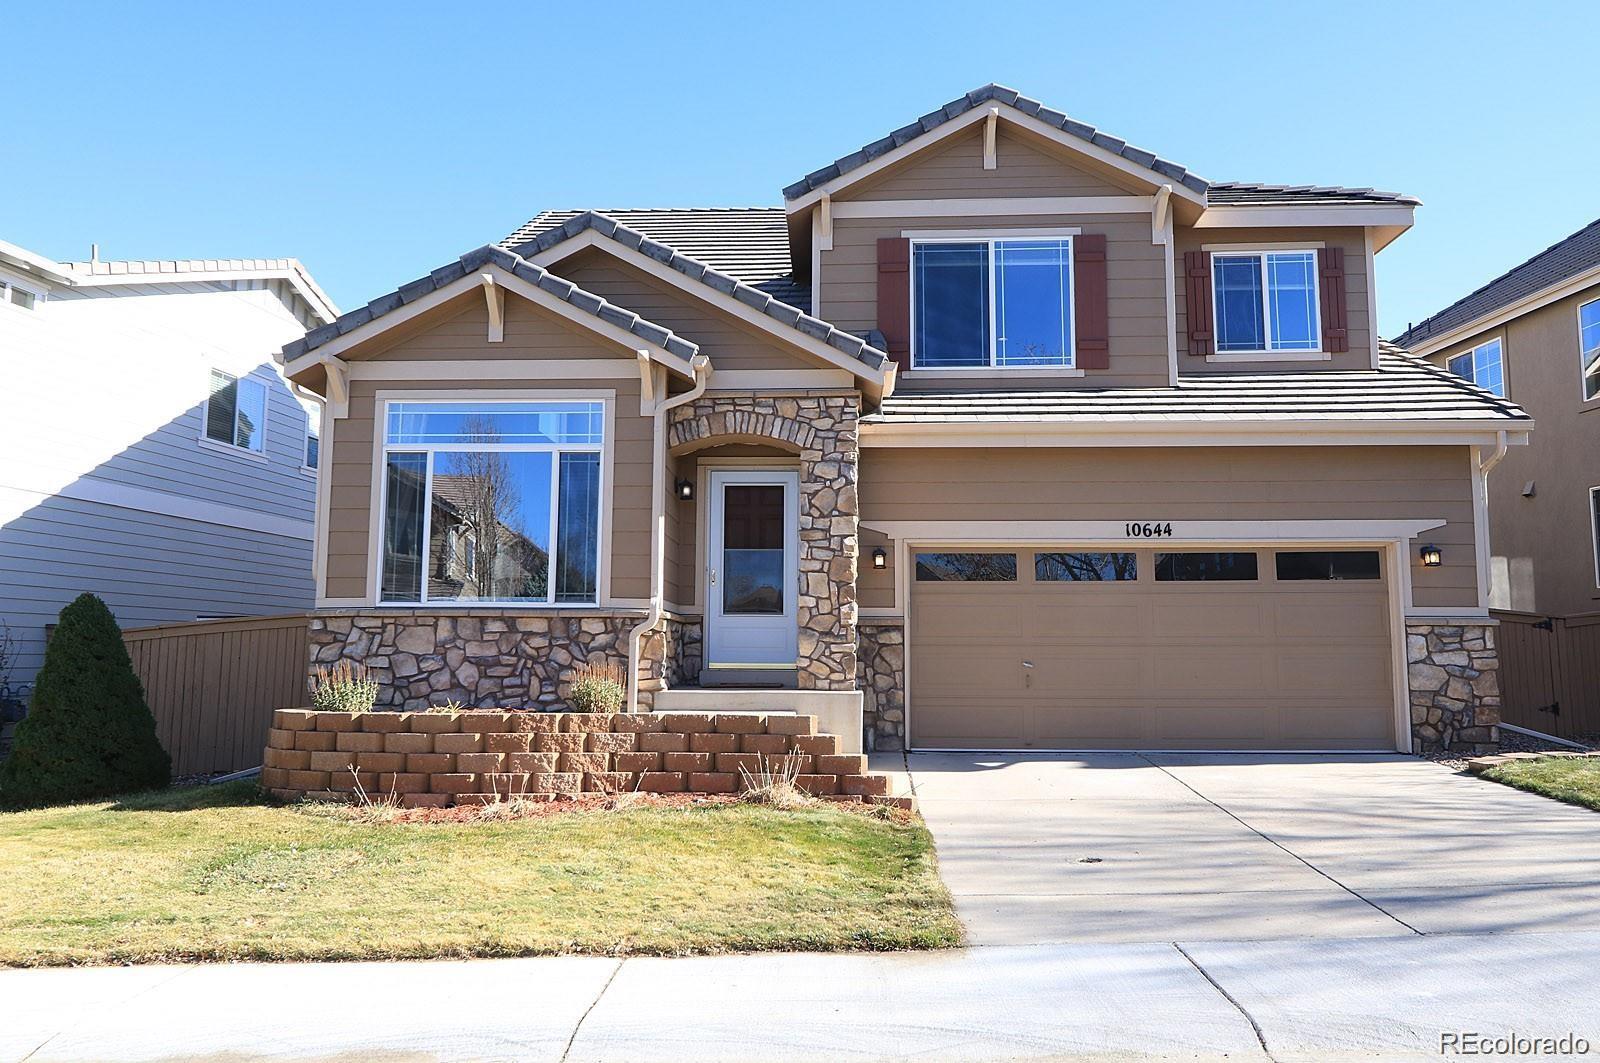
[1193,483]
[1358,300]
[1135,273]
[1542,547]
[729,343]
[351,468]
[1026,166]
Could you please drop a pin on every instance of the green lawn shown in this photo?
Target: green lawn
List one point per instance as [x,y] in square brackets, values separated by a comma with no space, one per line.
[1575,780]
[216,873]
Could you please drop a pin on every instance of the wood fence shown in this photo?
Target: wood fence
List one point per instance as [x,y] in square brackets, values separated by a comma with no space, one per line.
[213,684]
[1550,672]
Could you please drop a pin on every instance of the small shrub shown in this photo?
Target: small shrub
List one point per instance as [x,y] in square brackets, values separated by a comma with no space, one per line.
[452,707]
[772,783]
[346,687]
[89,732]
[598,688]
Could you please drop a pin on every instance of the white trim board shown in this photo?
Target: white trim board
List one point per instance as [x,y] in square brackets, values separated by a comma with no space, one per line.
[1215,432]
[144,500]
[992,208]
[619,368]
[1184,532]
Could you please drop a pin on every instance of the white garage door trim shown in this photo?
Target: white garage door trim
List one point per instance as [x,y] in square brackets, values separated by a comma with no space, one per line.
[1392,537]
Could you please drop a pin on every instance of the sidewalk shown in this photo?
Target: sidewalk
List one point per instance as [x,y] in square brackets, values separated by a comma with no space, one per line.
[1313,1000]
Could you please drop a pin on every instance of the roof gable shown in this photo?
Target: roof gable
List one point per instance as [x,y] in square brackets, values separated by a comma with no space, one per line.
[1013,104]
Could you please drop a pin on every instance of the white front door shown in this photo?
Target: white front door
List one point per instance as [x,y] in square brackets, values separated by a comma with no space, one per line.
[752,557]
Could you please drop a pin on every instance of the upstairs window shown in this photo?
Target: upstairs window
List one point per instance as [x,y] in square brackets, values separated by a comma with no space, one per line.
[1589,347]
[1266,301]
[236,412]
[1483,366]
[995,302]
[313,450]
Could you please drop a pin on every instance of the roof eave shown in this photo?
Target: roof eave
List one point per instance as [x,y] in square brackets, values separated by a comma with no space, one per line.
[1499,316]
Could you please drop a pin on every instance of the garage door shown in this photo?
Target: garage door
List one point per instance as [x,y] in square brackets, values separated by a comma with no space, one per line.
[1247,649]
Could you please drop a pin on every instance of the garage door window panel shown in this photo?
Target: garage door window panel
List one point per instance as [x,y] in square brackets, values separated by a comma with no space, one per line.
[1205,567]
[966,568]
[1085,568]
[1295,565]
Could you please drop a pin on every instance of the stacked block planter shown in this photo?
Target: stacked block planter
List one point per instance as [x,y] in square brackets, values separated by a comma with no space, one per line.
[436,759]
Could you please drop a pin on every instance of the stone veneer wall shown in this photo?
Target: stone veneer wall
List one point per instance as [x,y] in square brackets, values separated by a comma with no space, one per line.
[1453,671]
[824,429]
[882,678]
[422,658]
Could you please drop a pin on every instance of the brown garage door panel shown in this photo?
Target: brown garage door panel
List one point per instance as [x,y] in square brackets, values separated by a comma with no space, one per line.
[1141,664]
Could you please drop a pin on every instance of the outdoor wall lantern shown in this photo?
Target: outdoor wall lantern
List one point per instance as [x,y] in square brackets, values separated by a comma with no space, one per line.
[1432,556]
[686,490]
[879,558]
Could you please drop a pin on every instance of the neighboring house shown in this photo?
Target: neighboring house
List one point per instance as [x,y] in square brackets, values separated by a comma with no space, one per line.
[153,454]
[999,433]
[1533,335]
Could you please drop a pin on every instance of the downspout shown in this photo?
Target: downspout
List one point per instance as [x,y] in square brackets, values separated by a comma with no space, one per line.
[658,520]
[1485,464]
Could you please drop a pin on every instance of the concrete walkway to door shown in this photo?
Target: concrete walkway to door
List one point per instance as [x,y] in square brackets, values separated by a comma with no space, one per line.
[1127,847]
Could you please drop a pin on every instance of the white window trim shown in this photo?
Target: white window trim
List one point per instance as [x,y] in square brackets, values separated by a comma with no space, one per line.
[991,237]
[1472,353]
[266,418]
[1268,354]
[1594,534]
[1582,365]
[380,476]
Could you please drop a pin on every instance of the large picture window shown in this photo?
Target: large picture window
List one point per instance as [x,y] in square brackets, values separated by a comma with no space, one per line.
[492,502]
[1003,303]
[1266,301]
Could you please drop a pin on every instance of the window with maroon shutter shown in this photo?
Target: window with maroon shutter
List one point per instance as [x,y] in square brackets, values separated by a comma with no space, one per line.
[1335,314]
[1090,296]
[1197,301]
[894,297]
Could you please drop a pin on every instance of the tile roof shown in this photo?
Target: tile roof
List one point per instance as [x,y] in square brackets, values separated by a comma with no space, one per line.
[977,98]
[475,260]
[1252,194]
[697,270]
[747,243]
[1403,388]
[1561,261]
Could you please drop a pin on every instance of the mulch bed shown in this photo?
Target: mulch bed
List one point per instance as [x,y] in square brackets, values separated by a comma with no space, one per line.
[563,804]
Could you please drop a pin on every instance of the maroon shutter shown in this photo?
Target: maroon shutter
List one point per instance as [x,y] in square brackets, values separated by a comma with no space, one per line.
[1335,320]
[1089,295]
[1197,300]
[894,297]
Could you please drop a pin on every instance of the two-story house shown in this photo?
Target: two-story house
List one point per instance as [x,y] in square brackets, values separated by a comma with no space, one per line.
[1533,335]
[999,433]
[150,450]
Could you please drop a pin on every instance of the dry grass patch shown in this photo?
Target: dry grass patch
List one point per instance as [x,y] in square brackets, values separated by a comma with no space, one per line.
[1575,780]
[216,873]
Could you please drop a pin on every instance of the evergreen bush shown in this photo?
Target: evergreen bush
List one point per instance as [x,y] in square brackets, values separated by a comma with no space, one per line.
[88,732]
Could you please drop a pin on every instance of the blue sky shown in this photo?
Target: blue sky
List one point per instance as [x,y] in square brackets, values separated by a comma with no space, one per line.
[376,142]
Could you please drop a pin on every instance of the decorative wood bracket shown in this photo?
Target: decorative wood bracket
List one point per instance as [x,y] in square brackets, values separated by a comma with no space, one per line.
[495,298]
[1158,214]
[990,161]
[648,398]
[824,225]
[338,387]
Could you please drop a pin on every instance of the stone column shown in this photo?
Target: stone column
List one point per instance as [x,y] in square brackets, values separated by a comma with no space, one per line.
[1453,671]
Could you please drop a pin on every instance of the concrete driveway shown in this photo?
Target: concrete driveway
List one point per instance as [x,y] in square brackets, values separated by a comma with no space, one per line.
[1117,847]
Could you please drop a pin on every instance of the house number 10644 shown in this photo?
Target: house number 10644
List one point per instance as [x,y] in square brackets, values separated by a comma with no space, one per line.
[1147,529]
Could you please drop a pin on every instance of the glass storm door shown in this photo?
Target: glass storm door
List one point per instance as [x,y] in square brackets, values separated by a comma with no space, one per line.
[751,566]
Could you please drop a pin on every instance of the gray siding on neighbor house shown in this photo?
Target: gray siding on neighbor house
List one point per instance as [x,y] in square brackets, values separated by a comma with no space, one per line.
[150,568]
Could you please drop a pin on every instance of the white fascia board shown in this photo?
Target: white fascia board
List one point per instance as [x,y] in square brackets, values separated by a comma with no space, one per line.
[966,121]
[24,259]
[533,293]
[991,207]
[1153,433]
[298,279]
[704,292]
[1528,304]
[1231,217]
[1184,532]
